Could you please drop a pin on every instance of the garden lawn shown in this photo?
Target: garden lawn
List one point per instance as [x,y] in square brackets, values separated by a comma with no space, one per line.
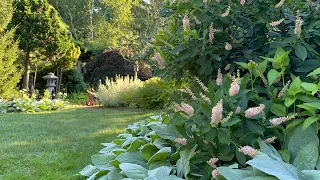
[57,145]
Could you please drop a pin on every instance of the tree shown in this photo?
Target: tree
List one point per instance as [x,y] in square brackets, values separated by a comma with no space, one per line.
[39,29]
[9,73]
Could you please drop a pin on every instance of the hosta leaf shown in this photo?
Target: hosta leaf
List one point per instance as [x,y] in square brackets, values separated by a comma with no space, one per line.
[183,164]
[132,157]
[160,172]
[270,150]
[148,150]
[301,51]
[161,155]
[279,169]
[307,157]
[133,171]
[114,175]
[285,154]
[261,178]
[311,174]
[233,174]
[101,161]
[135,145]
[309,121]
[88,170]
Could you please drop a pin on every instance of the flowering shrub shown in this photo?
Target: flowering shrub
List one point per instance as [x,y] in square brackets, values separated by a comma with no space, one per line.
[29,105]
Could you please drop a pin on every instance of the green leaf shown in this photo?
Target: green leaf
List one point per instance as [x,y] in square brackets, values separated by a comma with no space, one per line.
[148,150]
[301,51]
[300,139]
[308,122]
[310,87]
[166,132]
[101,160]
[114,175]
[88,170]
[161,172]
[307,157]
[161,155]
[135,145]
[285,154]
[179,48]
[272,76]
[295,86]
[233,174]
[244,65]
[261,178]
[311,174]
[223,137]
[289,100]
[133,171]
[261,68]
[278,109]
[314,72]
[275,168]
[315,105]
[183,164]
[132,157]
[241,158]
[269,149]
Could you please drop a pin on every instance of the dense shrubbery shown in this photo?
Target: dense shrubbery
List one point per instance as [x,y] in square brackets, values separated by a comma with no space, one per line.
[73,81]
[154,94]
[129,92]
[111,63]
[26,104]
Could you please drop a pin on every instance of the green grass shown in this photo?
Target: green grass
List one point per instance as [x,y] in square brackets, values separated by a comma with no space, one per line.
[58,145]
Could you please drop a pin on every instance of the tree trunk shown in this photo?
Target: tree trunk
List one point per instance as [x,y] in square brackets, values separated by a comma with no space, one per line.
[35,78]
[59,81]
[91,19]
[26,72]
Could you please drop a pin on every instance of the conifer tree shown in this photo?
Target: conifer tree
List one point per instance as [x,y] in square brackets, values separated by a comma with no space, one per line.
[9,72]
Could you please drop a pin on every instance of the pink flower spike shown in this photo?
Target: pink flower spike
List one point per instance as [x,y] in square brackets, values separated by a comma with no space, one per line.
[248,150]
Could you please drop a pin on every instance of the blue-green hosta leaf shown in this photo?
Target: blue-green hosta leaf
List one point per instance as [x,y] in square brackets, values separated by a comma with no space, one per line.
[183,164]
[307,157]
[132,157]
[101,161]
[161,143]
[129,141]
[166,132]
[160,172]
[309,121]
[161,155]
[314,72]
[285,154]
[300,139]
[310,174]
[261,178]
[88,170]
[148,150]
[135,145]
[114,175]
[158,164]
[233,174]
[134,171]
[108,147]
[270,150]
[279,169]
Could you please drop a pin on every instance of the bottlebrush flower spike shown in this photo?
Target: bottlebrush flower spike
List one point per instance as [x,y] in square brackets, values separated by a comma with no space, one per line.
[284,89]
[189,92]
[228,46]
[215,173]
[219,78]
[205,98]
[298,25]
[235,87]
[227,67]
[181,141]
[280,3]
[212,162]
[186,108]
[248,150]
[238,110]
[204,88]
[185,22]
[279,120]
[211,33]
[217,110]
[254,111]
[270,140]
[276,23]
[226,13]
[242,2]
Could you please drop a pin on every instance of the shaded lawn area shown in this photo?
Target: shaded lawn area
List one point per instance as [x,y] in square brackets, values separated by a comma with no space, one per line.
[58,145]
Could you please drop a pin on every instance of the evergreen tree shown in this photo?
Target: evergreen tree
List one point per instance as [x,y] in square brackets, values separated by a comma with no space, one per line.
[9,73]
[39,29]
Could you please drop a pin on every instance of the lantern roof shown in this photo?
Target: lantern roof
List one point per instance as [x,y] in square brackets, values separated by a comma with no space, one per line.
[50,76]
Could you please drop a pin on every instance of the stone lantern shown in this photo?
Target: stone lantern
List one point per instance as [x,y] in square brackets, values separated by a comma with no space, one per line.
[51,82]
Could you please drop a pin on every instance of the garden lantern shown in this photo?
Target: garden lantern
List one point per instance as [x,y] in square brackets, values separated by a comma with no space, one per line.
[51,82]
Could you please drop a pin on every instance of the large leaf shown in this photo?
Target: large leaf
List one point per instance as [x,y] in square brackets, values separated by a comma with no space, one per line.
[160,172]
[279,169]
[161,155]
[273,75]
[244,65]
[309,121]
[295,86]
[307,157]
[270,150]
[114,174]
[261,68]
[148,150]
[101,161]
[88,170]
[233,174]
[183,164]
[166,132]
[301,51]
[223,137]
[132,157]
[261,178]
[313,88]
[300,139]
[311,174]
[133,171]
